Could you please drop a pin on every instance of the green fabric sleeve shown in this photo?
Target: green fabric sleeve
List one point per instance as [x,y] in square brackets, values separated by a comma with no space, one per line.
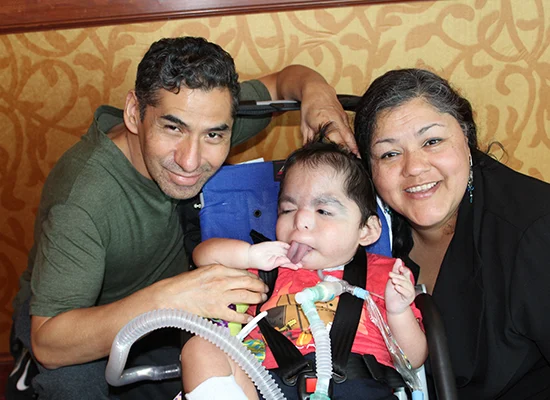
[247,127]
[70,263]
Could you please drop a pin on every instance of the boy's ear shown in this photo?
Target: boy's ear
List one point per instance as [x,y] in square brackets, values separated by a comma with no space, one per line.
[371,231]
[131,112]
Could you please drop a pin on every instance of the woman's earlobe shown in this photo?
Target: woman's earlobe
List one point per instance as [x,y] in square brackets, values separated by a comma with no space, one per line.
[371,231]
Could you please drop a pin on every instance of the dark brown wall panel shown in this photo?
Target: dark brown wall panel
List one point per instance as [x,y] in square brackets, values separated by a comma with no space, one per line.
[31,15]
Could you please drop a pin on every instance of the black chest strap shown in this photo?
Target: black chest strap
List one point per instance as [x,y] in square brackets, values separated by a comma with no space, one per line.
[342,333]
[348,313]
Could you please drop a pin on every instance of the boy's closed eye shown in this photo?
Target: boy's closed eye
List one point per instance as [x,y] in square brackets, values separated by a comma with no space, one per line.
[324,212]
[286,209]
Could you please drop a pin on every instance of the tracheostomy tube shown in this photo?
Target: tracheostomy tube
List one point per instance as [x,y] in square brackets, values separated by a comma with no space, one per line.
[322,292]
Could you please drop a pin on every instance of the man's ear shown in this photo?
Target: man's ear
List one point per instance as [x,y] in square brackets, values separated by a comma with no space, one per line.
[371,231]
[131,112]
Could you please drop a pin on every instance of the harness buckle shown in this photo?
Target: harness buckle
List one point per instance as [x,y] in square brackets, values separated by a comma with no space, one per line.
[306,382]
[293,379]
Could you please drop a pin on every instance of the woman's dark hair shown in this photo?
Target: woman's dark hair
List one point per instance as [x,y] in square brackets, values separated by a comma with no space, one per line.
[192,62]
[320,151]
[394,89]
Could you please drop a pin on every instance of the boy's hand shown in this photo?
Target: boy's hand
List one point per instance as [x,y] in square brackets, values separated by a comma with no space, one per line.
[269,255]
[399,289]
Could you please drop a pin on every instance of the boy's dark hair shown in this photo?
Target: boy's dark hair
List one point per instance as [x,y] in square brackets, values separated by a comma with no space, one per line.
[320,151]
[192,62]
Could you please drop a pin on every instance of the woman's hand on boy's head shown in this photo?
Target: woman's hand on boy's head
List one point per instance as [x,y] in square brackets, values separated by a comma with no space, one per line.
[399,289]
[266,256]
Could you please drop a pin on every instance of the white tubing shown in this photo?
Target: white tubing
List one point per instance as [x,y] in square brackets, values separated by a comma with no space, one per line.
[323,356]
[250,326]
[219,336]
[324,291]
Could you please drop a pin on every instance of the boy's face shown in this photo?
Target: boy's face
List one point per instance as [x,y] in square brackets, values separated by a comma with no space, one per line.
[315,211]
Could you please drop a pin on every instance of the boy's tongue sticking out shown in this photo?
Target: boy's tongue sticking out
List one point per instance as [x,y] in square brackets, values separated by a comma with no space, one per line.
[297,251]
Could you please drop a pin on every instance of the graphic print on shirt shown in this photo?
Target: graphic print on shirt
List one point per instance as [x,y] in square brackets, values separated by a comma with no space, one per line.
[285,315]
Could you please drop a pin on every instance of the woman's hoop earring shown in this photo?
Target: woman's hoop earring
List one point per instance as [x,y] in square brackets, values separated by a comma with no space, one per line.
[470,187]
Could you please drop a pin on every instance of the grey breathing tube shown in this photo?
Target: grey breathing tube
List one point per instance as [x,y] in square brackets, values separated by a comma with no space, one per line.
[157,319]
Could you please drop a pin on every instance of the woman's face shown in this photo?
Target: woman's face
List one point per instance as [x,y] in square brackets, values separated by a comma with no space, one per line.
[420,163]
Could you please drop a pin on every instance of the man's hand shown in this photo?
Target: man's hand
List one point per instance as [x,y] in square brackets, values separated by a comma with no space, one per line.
[208,291]
[320,106]
[319,102]
[85,334]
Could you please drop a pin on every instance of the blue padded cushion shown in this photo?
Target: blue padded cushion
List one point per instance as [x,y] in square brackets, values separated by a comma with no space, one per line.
[239,198]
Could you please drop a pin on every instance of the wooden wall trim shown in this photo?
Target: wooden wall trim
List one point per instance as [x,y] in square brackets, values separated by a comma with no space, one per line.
[6,358]
[31,15]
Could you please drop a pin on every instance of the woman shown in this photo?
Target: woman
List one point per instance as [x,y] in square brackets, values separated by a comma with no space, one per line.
[477,233]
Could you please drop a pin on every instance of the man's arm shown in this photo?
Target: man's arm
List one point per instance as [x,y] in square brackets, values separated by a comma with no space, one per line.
[69,272]
[319,102]
[86,334]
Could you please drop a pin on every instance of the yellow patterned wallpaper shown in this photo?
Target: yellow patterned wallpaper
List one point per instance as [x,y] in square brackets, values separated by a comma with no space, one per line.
[495,51]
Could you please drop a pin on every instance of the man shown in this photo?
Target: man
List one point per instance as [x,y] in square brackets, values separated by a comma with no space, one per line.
[108,242]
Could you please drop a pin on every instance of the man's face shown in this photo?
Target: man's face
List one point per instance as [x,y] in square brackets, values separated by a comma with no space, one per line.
[186,138]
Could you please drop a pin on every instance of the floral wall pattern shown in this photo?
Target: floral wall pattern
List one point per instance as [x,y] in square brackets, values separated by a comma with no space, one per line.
[496,52]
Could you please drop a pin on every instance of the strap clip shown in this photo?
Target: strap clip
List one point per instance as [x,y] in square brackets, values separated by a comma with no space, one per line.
[309,368]
[306,382]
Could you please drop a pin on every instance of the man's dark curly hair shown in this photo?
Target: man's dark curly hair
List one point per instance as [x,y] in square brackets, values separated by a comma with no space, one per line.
[191,62]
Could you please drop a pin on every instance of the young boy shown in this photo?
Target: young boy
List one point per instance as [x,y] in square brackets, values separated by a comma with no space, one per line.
[327,209]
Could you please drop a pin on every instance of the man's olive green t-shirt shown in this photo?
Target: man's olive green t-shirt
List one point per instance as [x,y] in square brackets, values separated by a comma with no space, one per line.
[103,230]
